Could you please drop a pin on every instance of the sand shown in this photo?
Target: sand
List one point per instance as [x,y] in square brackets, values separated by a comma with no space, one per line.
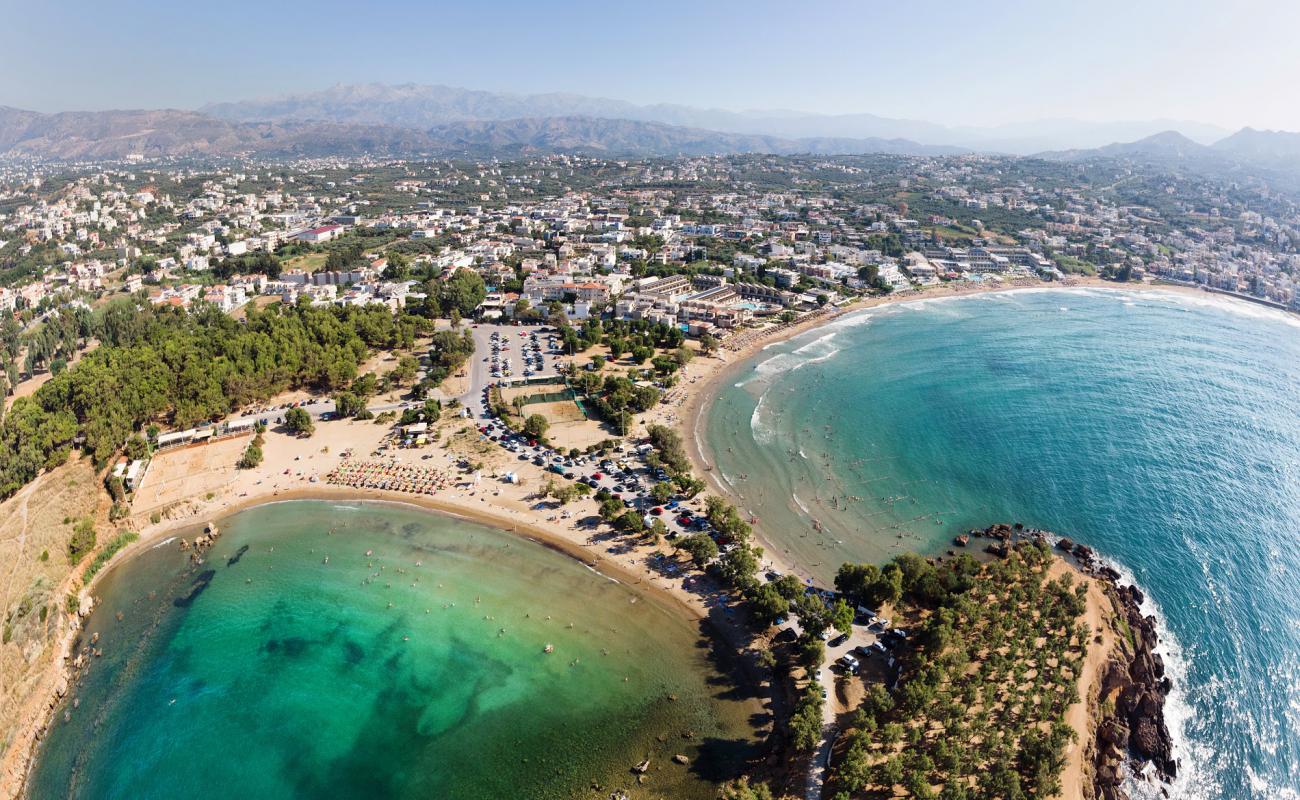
[291,463]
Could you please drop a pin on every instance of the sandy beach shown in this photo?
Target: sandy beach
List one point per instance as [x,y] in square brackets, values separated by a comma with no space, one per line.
[296,468]
[291,463]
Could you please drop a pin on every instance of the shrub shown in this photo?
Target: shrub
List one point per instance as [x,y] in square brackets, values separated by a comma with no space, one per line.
[82,541]
[122,539]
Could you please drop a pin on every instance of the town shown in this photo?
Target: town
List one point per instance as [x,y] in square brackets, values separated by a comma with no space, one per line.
[532,339]
[709,244]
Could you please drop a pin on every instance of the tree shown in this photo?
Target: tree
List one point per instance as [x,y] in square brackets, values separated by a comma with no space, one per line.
[82,540]
[661,492]
[631,521]
[701,548]
[767,605]
[251,458]
[610,508]
[812,651]
[405,371]
[536,426]
[742,789]
[739,567]
[347,404]
[806,721]
[708,343]
[137,447]
[814,615]
[842,617]
[298,421]
[462,292]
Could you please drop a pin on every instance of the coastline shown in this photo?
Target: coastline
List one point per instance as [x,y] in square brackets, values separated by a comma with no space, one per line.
[705,376]
[691,422]
[1101,760]
[690,604]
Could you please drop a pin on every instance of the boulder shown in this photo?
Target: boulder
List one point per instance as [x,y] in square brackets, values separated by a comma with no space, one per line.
[1113,732]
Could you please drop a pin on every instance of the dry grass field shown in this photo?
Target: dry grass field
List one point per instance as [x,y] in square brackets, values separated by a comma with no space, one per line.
[34,574]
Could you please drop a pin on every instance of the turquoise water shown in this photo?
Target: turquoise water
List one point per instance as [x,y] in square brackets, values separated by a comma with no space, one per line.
[1163,429]
[416,671]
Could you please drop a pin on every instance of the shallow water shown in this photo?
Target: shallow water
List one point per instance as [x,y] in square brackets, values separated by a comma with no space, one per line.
[415,671]
[1163,429]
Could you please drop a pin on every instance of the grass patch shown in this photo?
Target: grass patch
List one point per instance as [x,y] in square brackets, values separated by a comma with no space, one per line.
[122,539]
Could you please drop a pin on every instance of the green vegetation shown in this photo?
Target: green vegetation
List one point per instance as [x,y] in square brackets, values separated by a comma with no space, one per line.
[82,540]
[166,364]
[536,426]
[806,722]
[253,453]
[122,539]
[448,352]
[979,709]
[299,422]
[743,790]
[616,398]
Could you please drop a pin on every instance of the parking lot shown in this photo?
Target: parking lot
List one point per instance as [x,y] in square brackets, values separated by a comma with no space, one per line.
[624,475]
[510,354]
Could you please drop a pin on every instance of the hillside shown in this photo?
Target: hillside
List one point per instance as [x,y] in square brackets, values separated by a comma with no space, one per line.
[1170,145]
[114,134]
[171,133]
[425,106]
[36,528]
[628,137]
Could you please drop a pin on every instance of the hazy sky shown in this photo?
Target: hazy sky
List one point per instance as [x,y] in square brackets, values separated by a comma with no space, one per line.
[974,62]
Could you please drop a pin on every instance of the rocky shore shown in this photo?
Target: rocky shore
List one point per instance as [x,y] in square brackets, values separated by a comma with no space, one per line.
[1132,730]
[1130,736]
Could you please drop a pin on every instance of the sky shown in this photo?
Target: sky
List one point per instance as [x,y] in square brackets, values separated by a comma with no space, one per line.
[985,62]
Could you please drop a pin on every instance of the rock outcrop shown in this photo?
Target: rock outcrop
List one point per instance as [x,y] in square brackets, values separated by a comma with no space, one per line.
[1133,733]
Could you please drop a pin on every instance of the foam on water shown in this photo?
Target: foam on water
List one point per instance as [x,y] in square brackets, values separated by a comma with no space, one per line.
[1161,427]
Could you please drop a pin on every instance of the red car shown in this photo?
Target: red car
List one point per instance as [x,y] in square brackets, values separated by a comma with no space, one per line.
[685,522]
[595,476]
[657,510]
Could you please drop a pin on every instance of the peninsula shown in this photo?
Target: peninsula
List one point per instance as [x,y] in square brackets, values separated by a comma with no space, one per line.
[351,361]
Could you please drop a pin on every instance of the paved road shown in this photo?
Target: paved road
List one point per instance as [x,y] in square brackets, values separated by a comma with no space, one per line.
[480,369]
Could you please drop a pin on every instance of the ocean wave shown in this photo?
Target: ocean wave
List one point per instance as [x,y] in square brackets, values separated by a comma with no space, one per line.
[762,432]
[1222,302]
[802,506]
[1196,779]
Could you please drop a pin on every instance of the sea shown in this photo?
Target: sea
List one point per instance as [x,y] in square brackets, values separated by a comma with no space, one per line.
[363,650]
[1161,428]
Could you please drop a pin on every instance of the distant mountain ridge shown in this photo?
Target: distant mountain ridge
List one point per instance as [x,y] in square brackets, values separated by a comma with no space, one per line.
[116,134]
[631,137]
[413,119]
[1278,147]
[1166,144]
[91,135]
[425,106]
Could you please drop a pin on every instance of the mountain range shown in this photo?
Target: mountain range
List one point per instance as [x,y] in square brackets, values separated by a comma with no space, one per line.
[1277,151]
[444,121]
[91,135]
[421,106]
